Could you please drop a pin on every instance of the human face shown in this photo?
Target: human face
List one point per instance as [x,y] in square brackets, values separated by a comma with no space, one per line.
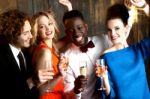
[46,28]
[76,29]
[116,31]
[25,36]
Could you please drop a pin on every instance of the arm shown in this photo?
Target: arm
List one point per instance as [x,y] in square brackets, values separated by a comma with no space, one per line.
[141,5]
[133,6]
[45,74]
[70,80]
[66,3]
[68,75]
[109,92]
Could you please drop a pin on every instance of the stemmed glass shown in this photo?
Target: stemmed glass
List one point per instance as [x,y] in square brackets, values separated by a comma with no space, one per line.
[83,69]
[48,67]
[100,66]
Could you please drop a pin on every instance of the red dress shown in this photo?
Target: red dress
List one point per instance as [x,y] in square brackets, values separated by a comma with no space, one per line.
[58,90]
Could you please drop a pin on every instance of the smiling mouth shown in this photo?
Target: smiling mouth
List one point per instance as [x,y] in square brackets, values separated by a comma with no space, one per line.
[114,38]
[79,38]
[48,33]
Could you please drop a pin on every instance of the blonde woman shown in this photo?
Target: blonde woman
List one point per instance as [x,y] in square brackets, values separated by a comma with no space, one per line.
[45,57]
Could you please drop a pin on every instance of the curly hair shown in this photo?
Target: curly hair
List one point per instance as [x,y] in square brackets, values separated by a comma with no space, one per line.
[11,23]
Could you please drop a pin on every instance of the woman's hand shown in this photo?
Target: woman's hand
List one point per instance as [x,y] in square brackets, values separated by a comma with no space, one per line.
[45,75]
[103,73]
[66,3]
[138,3]
[63,64]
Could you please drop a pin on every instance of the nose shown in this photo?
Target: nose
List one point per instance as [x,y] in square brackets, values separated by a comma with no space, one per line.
[113,32]
[77,32]
[30,35]
[47,28]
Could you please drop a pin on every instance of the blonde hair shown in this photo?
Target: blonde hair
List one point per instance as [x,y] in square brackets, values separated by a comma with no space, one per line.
[50,15]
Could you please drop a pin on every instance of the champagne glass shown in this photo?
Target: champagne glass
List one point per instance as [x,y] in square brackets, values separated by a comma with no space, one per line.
[83,69]
[100,65]
[48,66]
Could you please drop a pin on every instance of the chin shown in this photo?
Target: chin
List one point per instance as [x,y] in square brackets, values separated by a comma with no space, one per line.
[27,45]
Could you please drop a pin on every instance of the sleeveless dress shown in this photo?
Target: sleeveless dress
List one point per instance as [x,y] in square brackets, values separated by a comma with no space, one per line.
[58,90]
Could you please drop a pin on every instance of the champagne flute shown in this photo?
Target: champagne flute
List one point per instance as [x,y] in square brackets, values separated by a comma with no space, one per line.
[100,65]
[83,69]
[48,66]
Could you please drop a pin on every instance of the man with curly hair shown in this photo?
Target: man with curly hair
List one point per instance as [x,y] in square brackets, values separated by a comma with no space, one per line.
[15,28]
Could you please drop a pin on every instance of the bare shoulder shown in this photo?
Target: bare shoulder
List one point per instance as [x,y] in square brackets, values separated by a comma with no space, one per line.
[108,50]
[43,57]
[44,52]
[111,49]
[114,48]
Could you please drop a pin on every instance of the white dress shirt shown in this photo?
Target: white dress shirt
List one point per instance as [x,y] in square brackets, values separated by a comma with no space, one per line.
[75,56]
[15,52]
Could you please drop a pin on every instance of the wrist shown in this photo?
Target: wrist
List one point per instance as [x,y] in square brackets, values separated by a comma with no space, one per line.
[76,90]
[142,7]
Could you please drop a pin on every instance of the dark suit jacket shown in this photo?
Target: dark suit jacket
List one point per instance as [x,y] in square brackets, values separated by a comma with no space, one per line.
[12,84]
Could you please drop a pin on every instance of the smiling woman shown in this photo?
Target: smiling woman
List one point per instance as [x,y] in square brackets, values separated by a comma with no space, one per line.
[125,62]
[45,58]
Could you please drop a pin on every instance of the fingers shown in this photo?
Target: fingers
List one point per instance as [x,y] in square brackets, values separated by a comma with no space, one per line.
[101,71]
[63,62]
[64,2]
[81,81]
[138,3]
[80,84]
[45,75]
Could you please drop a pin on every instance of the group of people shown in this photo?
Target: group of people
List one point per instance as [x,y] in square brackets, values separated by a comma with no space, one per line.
[51,74]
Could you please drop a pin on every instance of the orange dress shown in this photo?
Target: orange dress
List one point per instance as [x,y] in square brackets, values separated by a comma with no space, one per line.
[57,92]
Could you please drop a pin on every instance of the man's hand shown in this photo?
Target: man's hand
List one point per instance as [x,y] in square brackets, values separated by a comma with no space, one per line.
[80,84]
[66,3]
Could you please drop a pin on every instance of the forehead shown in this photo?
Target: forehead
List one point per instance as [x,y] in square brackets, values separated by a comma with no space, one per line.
[74,22]
[42,19]
[115,22]
[26,26]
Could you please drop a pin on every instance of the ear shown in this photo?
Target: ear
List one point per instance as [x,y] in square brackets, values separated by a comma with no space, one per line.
[127,31]
[86,26]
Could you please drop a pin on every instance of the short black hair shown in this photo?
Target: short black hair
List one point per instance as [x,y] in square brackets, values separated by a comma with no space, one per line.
[118,11]
[72,14]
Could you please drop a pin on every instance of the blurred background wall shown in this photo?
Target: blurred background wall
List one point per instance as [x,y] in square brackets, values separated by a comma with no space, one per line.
[93,10]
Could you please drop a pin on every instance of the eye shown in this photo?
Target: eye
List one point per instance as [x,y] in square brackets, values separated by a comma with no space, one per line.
[50,23]
[27,32]
[69,30]
[108,30]
[41,26]
[117,28]
[80,27]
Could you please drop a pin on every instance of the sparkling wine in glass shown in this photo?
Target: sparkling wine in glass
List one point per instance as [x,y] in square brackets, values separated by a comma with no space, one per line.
[100,65]
[48,66]
[83,70]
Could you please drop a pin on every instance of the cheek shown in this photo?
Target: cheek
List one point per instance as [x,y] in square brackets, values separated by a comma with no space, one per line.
[122,34]
[109,35]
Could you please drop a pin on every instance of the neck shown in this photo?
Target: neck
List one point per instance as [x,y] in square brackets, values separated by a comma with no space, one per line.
[16,46]
[48,43]
[120,45]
